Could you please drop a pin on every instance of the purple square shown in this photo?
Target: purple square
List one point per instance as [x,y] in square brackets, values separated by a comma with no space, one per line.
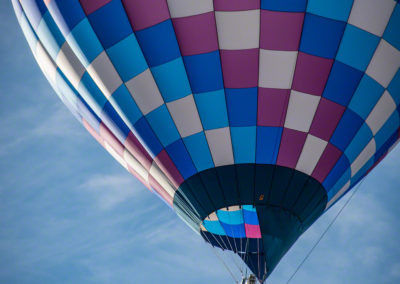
[240,68]
[272,106]
[89,6]
[311,74]
[280,30]
[168,167]
[196,34]
[292,143]
[236,5]
[326,119]
[325,164]
[144,14]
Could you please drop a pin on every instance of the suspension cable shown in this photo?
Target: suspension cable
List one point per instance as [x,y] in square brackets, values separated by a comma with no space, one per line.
[326,230]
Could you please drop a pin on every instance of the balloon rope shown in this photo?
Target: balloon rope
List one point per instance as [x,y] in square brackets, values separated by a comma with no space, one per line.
[326,230]
[220,258]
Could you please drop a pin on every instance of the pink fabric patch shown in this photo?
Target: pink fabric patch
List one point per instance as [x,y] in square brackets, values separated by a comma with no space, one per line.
[311,74]
[196,34]
[280,30]
[240,68]
[89,6]
[107,135]
[326,119]
[327,161]
[272,106]
[93,132]
[236,5]
[165,163]
[133,145]
[292,143]
[146,13]
[252,231]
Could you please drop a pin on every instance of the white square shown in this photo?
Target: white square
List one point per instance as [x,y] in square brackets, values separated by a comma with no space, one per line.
[371,15]
[384,64]
[46,64]
[312,151]
[104,74]
[301,111]
[219,141]
[145,92]
[363,158]
[381,112]
[185,115]
[238,30]
[184,8]
[277,68]
[70,65]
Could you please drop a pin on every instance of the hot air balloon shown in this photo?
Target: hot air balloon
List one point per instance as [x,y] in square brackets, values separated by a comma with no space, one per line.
[249,118]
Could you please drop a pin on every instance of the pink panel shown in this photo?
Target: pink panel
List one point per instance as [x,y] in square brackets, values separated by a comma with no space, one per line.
[311,74]
[89,6]
[326,119]
[272,106]
[93,132]
[252,231]
[133,172]
[292,143]
[133,145]
[280,30]
[240,68]
[107,135]
[236,5]
[160,190]
[146,13]
[325,164]
[196,34]
[165,163]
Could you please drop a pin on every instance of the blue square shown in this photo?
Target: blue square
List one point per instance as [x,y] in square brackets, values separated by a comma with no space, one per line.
[347,127]
[172,80]
[67,14]
[268,141]
[242,106]
[146,134]
[158,43]
[127,58]
[84,43]
[342,83]
[394,87]
[337,171]
[357,47]
[179,155]
[366,96]
[50,35]
[212,109]
[124,101]
[89,91]
[321,36]
[199,151]
[34,11]
[113,121]
[204,72]
[88,114]
[362,138]
[339,183]
[334,9]
[110,23]
[284,5]
[244,144]
[382,150]
[392,32]
[163,125]
[389,129]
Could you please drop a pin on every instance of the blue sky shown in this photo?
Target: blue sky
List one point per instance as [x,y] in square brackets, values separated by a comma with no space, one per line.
[70,214]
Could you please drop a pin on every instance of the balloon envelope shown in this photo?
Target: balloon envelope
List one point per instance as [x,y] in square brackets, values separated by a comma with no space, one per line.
[248,118]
